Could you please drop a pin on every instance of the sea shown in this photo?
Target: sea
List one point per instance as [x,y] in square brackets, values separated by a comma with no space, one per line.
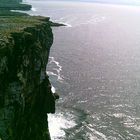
[94,65]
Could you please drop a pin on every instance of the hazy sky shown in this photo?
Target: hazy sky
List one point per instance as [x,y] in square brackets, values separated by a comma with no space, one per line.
[117,1]
[134,2]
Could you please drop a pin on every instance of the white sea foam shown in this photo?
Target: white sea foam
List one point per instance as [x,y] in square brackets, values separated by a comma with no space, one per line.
[119,115]
[58,69]
[53,89]
[83,101]
[67,20]
[129,121]
[57,124]
[65,23]
[33,9]
[96,135]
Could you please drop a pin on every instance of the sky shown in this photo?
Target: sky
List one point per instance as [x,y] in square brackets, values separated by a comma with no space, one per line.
[128,2]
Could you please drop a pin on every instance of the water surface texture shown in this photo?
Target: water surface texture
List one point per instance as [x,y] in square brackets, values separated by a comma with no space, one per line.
[95,66]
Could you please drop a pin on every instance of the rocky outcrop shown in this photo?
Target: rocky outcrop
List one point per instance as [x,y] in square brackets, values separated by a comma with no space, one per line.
[25,90]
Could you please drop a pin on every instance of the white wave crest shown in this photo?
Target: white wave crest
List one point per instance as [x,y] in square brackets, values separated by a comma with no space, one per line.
[33,9]
[57,124]
[58,69]
[53,89]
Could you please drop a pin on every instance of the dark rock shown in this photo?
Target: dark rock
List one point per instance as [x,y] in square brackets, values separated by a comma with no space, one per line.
[25,89]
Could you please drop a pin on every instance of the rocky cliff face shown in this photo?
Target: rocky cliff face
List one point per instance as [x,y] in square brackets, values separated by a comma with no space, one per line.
[25,90]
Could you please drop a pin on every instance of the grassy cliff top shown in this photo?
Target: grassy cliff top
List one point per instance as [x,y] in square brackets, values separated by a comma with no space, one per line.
[15,21]
[10,24]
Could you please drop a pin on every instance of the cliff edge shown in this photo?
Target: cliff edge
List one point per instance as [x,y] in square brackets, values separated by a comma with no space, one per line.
[25,89]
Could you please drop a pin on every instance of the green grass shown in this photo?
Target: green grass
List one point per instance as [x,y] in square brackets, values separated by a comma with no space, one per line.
[10,1]
[14,21]
[15,24]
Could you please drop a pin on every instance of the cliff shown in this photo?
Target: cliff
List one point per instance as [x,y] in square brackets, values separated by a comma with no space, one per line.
[25,89]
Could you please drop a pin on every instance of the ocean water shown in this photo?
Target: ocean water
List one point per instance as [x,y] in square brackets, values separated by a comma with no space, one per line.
[95,67]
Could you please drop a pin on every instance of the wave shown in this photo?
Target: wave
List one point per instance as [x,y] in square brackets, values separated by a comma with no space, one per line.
[65,23]
[69,124]
[33,9]
[55,71]
[61,122]
[53,89]
[96,135]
